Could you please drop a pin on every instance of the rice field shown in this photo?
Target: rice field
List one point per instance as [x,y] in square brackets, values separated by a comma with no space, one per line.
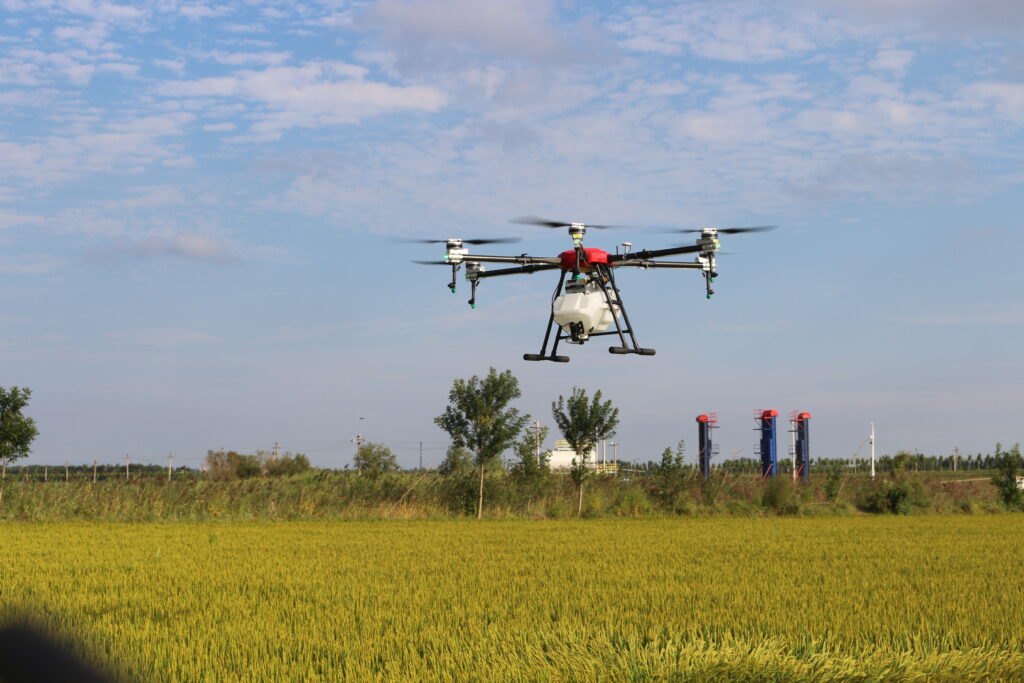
[940,597]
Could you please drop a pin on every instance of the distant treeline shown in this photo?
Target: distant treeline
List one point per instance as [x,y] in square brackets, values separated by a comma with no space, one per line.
[654,489]
[226,465]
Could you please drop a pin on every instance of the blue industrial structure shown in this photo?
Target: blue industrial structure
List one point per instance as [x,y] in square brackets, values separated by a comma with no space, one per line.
[766,447]
[707,450]
[802,428]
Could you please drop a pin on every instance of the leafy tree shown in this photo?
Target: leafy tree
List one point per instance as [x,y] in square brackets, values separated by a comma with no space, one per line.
[901,461]
[374,459]
[672,472]
[530,470]
[1008,466]
[583,422]
[16,430]
[457,460]
[283,465]
[833,480]
[478,417]
[227,465]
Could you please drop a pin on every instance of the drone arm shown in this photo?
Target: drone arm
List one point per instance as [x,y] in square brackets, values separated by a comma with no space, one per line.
[646,263]
[532,268]
[523,260]
[646,254]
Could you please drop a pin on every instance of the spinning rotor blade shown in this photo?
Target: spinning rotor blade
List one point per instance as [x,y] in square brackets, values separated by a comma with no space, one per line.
[492,240]
[544,223]
[734,231]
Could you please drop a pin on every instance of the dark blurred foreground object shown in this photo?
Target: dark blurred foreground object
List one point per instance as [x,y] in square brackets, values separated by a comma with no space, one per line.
[28,656]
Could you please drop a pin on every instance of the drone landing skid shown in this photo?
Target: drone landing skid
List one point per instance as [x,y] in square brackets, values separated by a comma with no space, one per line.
[624,350]
[553,358]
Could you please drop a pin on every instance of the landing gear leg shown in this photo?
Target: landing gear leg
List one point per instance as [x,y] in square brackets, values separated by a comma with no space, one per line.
[543,355]
[606,278]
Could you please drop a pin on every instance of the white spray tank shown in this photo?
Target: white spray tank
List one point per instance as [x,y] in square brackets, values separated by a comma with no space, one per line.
[585,308]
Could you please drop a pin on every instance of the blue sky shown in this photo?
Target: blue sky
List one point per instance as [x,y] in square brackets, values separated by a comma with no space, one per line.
[198,204]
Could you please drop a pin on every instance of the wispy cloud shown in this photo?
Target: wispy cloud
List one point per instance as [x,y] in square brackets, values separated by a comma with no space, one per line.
[166,337]
[31,264]
[982,315]
[186,246]
[314,94]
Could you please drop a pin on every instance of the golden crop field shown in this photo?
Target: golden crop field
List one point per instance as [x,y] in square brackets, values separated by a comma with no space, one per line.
[938,596]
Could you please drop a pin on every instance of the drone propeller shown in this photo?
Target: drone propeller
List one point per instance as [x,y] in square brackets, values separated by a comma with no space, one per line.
[533,220]
[492,240]
[733,231]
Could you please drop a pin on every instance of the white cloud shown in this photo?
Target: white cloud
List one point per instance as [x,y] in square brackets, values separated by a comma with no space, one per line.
[1006,99]
[33,340]
[184,245]
[245,28]
[982,315]
[730,32]
[175,65]
[240,58]
[219,127]
[201,11]
[123,145]
[311,95]
[10,219]
[435,30]
[166,337]
[92,37]
[30,264]
[952,17]
[895,61]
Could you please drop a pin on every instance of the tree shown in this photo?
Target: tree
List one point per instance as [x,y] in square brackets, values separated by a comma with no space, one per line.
[901,461]
[457,460]
[16,431]
[583,423]
[230,465]
[1008,466]
[672,473]
[530,470]
[478,417]
[284,465]
[374,459]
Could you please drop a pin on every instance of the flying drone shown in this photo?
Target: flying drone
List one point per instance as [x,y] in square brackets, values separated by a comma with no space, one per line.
[586,302]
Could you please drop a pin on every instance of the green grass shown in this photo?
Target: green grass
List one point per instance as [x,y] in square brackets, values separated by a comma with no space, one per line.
[939,597]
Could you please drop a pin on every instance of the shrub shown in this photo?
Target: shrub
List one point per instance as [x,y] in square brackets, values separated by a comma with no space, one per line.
[632,503]
[896,496]
[1008,467]
[778,496]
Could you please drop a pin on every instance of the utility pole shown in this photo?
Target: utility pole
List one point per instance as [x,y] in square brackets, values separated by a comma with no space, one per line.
[536,432]
[956,456]
[359,440]
[94,471]
[126,477]
[67,478]
[615,451]
[277,448]
[46,473]
[421,455]
[170,461]
[872,450]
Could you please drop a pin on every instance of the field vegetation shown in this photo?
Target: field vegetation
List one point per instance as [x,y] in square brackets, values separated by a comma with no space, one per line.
[517,492]
[854,598]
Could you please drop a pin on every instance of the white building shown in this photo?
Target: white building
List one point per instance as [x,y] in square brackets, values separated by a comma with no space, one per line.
[563,455]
